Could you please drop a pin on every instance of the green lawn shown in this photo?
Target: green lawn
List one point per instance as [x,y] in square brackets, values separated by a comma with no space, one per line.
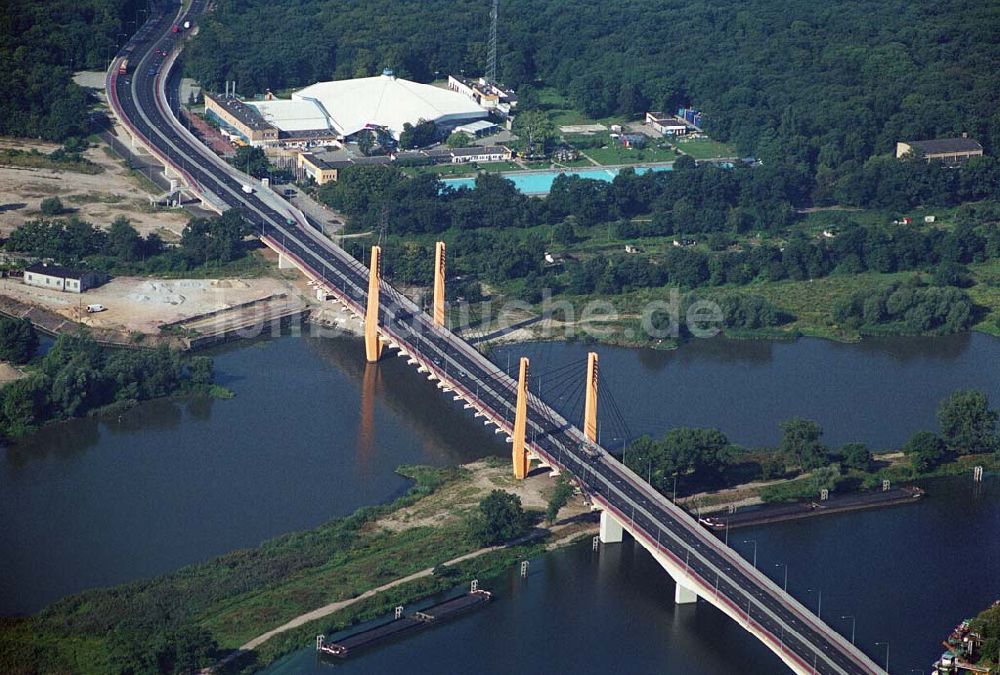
[460,169]
[615,154]
[986,293]
[705,148]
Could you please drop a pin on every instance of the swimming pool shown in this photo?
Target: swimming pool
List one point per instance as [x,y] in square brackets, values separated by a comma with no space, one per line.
[540,182]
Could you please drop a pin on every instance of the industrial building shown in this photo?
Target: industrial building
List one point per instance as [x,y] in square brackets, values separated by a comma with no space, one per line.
[666,124]
[244,120]
[496,153]
[477,129]
[61,278]
[388,102]
[300,123]
[272,122]
[951,151]
[488,95]
[323,167]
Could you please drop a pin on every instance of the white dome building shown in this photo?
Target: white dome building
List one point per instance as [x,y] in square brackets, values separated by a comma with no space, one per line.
[388,102]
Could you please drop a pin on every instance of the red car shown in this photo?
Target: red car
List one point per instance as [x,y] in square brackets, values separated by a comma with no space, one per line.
[175,29]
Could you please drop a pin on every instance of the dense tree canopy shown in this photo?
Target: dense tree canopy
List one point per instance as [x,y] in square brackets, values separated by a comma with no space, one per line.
[76,376]
[18,340]
[968,423]
[820,85]
[41,44]
[216,240]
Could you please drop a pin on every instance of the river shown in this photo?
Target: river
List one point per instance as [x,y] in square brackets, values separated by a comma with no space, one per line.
[313,434]
[907,575]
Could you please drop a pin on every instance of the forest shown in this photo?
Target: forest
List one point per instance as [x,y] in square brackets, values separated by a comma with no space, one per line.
[120,249]
[492,234]
[76,376]
[41,45]
[819,86]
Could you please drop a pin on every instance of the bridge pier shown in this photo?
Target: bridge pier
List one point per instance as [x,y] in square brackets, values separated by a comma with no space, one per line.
[521,460]
[590,401]
[611,529]
[682,594]
[373,346]
[439,273]
[284,263]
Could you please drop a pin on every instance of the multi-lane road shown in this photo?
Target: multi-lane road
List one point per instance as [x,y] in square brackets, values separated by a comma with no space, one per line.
[145,101]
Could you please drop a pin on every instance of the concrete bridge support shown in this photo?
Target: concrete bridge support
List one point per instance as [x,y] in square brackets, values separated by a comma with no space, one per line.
[373,346]
[611,530]
[590,402]
[439,270]
[284,263]
[520,451]
[611,533]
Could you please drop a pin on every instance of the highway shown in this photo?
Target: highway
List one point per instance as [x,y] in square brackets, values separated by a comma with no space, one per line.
[144,102]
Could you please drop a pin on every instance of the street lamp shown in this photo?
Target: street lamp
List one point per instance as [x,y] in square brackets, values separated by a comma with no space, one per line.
[853,623]
[754,542]
[785,565]
[886,645]
[819,602]
[675,487]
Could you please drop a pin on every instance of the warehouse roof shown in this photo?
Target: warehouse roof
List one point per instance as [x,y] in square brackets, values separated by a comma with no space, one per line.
[476,127]
[55,271]
[293,115]
[387,101]
[945,146]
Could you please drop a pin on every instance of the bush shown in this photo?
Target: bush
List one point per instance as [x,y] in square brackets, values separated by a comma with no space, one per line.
[18,340]
[925,451]
[51,206]
[856,456]
[499,518]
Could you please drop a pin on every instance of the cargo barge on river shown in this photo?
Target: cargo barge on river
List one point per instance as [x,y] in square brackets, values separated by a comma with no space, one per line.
[403,623]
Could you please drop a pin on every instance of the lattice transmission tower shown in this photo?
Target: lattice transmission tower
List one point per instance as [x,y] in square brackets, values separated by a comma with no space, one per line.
[491,58]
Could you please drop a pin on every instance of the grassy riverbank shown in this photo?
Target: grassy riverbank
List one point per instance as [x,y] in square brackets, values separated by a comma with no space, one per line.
[891,466]
[809,306]
[215,607]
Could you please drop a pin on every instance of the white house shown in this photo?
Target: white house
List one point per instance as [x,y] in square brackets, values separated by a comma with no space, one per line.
[60,278]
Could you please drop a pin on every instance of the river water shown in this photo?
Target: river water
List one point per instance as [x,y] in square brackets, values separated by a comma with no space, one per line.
[314,434]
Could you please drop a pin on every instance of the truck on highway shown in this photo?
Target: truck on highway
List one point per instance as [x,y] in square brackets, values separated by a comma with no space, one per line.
[247,188]
[123,67]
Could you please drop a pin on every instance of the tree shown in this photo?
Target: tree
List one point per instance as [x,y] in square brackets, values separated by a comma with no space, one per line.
[925,451]
[51,206]
[124,243]
[18,340]
[417,136]
[536,130]
[560,497]
[564,233]
[856,456]
[24,404]
[951,274]
[498,518]
[824,478]
[251,160]
[458,139]
[202,370]
[703,452]
[800,443]
[968,424]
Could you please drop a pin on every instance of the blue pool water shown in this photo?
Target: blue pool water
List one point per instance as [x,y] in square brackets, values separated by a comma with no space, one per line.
[540,182]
